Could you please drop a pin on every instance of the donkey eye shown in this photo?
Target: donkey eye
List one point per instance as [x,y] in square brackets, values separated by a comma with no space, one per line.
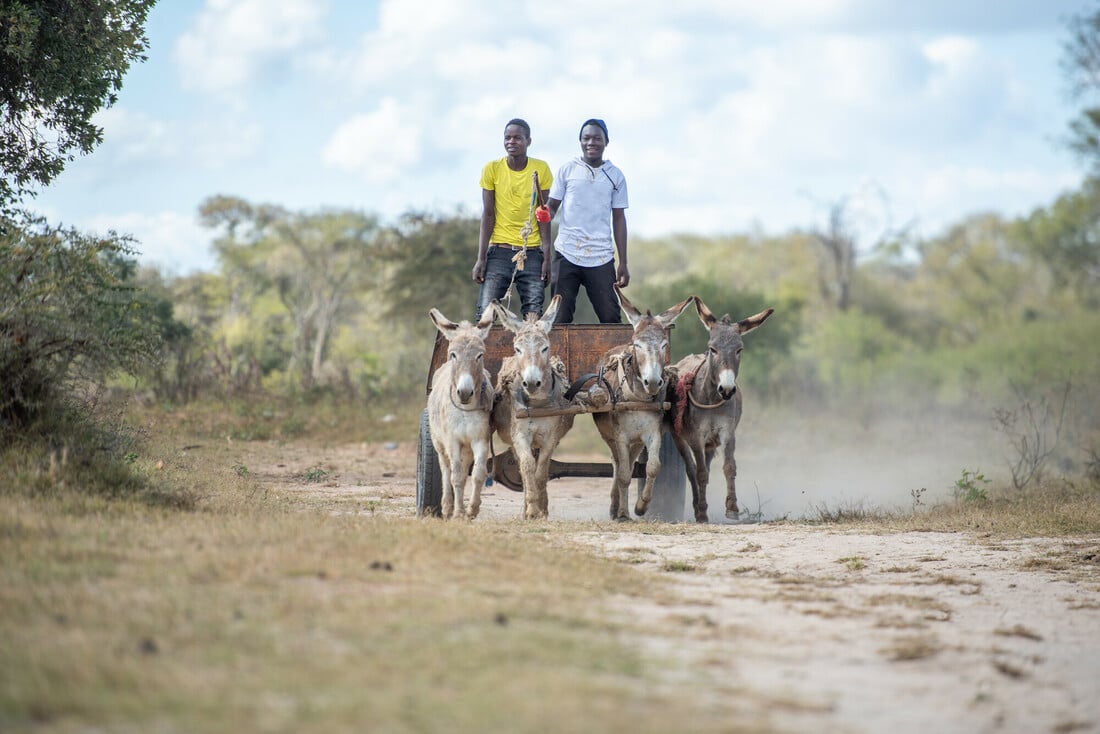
[739,350]
[519,351]
[545,350]
[454,356]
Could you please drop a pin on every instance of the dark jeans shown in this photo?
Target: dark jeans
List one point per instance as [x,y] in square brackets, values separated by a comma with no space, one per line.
[598,281]
[498,276]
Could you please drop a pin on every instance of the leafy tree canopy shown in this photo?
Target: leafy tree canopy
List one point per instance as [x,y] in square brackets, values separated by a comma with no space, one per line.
[1081,63]
[60,62]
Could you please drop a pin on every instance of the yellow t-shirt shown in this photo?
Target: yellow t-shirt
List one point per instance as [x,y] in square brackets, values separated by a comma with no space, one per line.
[512,192]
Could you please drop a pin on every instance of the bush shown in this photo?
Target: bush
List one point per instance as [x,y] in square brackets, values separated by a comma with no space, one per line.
[69,319]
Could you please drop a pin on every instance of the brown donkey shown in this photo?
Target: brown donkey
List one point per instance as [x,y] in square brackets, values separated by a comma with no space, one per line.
[707,406]
[459,407]
[636,372]
[532,378]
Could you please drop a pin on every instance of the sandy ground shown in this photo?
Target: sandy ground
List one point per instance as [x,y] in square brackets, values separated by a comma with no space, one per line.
[822,630]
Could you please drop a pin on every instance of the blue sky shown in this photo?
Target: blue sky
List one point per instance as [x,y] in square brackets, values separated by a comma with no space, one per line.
[725,115]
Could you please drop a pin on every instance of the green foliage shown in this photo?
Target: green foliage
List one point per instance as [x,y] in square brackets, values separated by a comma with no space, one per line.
[69,317]
[849,354]
[1081,63]
[60,62]
[975,277]
[432,256]
[305,269]
[971,486]
[1066,238]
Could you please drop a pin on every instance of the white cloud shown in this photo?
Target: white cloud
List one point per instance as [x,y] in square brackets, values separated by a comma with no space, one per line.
[232,40]
[377,145]
[136,135]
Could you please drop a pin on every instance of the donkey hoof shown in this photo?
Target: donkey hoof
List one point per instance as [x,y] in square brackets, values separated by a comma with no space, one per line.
[621,518]
[640,509]
[702,518]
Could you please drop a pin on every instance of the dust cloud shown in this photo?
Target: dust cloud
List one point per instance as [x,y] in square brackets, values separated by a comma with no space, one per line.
[795,465]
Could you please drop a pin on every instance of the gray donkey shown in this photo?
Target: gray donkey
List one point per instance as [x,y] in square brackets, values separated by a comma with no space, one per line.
[532,378]
[459,406]
[707,405]
[636,372]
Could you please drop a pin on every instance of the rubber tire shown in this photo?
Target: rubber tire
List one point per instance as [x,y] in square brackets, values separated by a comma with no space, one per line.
[429,480]
[670,488]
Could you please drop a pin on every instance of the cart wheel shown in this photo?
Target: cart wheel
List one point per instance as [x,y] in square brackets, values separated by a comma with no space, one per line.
[429,480]
[670,489]
[505,470]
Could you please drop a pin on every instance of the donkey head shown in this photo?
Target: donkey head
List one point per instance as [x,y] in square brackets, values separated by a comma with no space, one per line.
[466,355]
[649,351]
[532,344]
[723,357]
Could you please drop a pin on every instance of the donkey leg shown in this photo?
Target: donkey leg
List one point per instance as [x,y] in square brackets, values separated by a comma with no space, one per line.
[691,470]
[527,471]
[729,468]
[699,485]
[459,468]
[448,489]
[620,484]
[481,458]
[652,468]
[543,475]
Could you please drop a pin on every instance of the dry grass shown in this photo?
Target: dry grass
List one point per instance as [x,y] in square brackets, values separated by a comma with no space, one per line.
[1060,508]
[265,610]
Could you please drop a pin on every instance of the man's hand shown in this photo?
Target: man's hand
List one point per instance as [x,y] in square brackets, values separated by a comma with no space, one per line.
[623,276]
[478,273]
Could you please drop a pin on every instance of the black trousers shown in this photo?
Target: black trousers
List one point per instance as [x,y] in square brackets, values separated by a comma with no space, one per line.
[567,280]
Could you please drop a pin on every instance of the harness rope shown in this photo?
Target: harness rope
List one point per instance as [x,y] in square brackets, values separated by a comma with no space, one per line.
[683,395]
[520,258]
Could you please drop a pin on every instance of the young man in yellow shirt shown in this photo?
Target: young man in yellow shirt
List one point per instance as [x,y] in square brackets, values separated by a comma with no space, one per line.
[506,196]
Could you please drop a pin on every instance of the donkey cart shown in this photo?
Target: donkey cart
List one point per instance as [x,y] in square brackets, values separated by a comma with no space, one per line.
[580,347]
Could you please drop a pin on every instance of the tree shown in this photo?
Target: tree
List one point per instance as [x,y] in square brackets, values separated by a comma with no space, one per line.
[70,316]
[1066,238]
[858,223]
[60,62]
[313,262]
[432,256]
[1081,63]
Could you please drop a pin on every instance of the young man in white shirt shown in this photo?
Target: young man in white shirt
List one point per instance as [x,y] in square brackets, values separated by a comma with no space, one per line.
[592,196]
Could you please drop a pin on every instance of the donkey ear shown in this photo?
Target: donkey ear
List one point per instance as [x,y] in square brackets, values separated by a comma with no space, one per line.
[486,322]
[510,321]
[446,327]
[669,315]
[551,313]
[744,326]
[705,314]
[633,315]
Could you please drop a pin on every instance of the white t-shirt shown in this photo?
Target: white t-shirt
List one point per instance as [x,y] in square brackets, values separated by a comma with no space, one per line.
[587,197]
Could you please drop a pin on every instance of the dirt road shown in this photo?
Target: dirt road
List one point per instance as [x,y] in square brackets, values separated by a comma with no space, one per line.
[824,630]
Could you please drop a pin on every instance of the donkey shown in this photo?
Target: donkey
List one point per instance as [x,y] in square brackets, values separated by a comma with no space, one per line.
[531,379]
[459,408]
[707,405]
[636,372]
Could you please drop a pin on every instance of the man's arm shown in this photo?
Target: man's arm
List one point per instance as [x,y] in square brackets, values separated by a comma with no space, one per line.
[488,221]
[618,230]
